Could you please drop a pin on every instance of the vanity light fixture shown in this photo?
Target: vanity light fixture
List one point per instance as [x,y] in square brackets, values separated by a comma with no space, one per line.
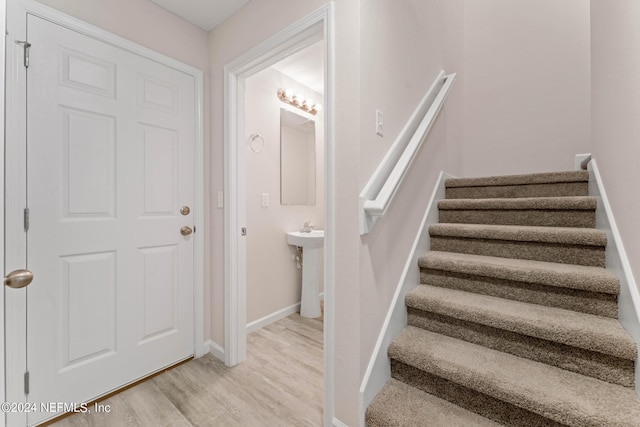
[288,97]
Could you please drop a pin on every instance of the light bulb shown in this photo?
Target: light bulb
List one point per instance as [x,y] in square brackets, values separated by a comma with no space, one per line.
[288,93]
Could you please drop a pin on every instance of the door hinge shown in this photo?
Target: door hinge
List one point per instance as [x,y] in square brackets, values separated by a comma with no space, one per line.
[26,382]
[26,45]
[26,219]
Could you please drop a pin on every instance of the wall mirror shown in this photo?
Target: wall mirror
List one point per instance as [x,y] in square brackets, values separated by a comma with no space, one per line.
[297,159]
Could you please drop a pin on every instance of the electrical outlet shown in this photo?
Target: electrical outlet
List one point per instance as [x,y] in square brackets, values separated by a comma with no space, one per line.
[265,200]
[379,123]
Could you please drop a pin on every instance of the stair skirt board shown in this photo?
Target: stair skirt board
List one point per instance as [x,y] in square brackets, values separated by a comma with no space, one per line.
[378,369]
[513,319]
[617,262]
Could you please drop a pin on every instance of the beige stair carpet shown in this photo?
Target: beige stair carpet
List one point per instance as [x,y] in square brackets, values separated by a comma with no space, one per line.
[514,322]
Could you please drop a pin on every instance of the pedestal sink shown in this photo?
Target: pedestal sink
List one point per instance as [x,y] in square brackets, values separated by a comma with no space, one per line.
[311,244]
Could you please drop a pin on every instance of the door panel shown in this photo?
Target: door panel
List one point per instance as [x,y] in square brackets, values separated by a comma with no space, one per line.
[110,151]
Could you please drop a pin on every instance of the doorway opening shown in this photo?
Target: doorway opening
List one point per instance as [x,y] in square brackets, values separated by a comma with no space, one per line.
[314,28]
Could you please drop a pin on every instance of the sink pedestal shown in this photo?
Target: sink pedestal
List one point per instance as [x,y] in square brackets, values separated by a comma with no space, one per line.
[311,244]
[310,301]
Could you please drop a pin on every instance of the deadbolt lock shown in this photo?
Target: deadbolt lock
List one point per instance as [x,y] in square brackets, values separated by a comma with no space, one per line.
[185,210]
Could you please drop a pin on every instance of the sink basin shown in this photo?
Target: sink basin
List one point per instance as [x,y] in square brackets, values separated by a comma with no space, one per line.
[312,240]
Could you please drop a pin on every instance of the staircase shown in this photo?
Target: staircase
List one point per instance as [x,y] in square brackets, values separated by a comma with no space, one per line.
[515,320]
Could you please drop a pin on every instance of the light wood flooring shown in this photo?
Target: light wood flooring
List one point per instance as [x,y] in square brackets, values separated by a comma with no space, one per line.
[280,384]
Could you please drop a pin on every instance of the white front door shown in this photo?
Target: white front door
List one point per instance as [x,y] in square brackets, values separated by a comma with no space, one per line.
[110,164]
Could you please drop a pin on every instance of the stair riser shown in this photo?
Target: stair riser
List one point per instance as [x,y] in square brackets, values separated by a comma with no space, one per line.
[489,407]
[551,252]
[589,363]
[597,303]
[544,218]
[513,191]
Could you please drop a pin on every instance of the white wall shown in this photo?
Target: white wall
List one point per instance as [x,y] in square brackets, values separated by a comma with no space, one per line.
[615,109]
[347,136]
[273,281]
[387,56]
[526,85]
[402,53]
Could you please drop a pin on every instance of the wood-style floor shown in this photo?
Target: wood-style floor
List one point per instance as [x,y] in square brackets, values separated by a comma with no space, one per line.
[280,384]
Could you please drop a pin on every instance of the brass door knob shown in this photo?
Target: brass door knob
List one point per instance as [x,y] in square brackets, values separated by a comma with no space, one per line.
[18,279]
[185,231]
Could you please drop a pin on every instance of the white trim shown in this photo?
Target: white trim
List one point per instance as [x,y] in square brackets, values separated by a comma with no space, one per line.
[338,423]
[379,191]
[295,37]
[275,316]
[14,242]
[617,261]
[379,370]
[3,21]
[17,11]
[577,164]
[216,350]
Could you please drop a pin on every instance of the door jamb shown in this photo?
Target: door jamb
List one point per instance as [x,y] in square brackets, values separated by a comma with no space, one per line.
[313,27]
[16,12]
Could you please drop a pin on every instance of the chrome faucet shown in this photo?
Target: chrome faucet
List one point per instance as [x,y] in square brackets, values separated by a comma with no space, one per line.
[307,227]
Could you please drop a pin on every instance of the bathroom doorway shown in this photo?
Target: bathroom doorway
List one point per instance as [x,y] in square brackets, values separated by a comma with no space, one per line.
[311,30]
[284,124]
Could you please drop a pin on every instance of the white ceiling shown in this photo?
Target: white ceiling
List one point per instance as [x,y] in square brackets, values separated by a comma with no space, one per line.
[206,14]
[305,67]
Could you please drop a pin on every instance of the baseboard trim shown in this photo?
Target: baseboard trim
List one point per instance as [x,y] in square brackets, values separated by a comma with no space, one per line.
[337,423]
[379,370]
[275,316]
[216,350]
[618,262]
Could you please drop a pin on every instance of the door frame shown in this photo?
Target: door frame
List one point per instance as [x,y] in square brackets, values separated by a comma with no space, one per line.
[3,24]
[310,29]
[15,124]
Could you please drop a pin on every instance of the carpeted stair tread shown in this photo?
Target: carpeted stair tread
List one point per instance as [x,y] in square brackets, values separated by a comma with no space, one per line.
[537,203]
[581,330]
[560,235]
[594,279]
[526,179]
[400,405]
[560,395]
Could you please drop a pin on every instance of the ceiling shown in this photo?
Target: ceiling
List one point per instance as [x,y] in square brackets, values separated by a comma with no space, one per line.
[305,66]
[206,14]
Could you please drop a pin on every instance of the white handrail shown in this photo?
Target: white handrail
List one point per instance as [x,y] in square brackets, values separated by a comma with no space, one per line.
[377,195]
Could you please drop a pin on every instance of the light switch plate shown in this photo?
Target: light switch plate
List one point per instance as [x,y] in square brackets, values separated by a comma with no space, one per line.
[379,123]
[220,200]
